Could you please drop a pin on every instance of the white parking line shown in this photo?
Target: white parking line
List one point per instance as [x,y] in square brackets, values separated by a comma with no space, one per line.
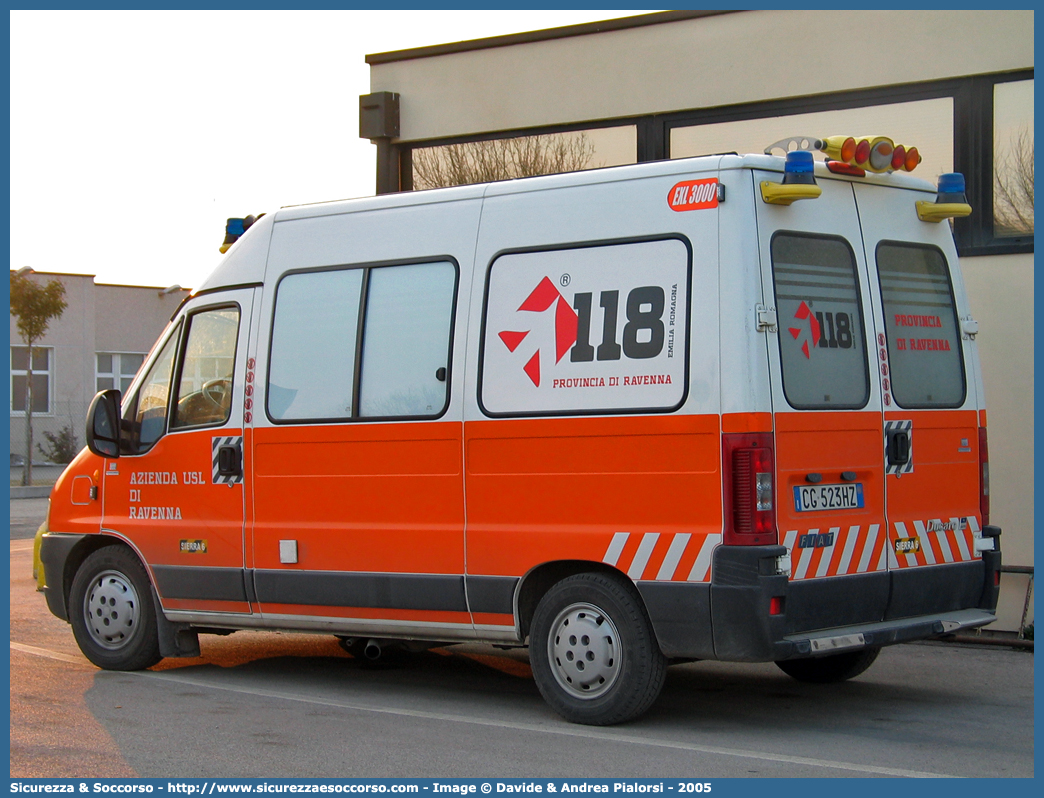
[578,731]
[43,652]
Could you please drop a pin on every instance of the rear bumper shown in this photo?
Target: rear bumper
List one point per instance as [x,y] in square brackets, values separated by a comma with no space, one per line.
[730,618]
[882,633]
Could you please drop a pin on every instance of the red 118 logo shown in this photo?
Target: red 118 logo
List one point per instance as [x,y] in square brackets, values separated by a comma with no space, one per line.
[644,311]
[837,327]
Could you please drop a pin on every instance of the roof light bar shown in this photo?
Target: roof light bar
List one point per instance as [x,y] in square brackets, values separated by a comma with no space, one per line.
[872,153]
[869,153]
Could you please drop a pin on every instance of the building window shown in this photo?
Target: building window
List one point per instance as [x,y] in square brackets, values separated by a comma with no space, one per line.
[487,160]
[116,369]
[43,356]
[980,125]
[1013,159]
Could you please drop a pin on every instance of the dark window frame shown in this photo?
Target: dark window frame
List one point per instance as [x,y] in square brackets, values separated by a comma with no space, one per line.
[972,140]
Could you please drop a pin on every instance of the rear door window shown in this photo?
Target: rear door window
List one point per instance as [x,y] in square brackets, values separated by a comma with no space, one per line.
[821,341]
[924,342]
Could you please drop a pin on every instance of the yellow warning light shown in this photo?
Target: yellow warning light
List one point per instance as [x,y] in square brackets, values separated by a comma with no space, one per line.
[872,153]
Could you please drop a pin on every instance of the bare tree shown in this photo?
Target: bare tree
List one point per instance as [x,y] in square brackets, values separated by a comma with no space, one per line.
[500,159]
[1013,185]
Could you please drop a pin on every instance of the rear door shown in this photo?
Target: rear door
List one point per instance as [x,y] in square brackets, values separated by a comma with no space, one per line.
[930,402]
[827,404]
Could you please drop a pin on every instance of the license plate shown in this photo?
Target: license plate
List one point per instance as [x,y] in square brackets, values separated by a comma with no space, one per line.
[808,498]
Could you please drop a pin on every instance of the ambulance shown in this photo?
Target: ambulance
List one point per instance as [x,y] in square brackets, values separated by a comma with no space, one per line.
[723,408]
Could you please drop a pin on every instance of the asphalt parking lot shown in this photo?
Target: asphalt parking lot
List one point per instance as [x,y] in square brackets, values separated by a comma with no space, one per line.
[26,517]
[291,705]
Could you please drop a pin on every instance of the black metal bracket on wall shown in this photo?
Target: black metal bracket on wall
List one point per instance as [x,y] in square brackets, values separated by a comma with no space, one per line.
[379,122]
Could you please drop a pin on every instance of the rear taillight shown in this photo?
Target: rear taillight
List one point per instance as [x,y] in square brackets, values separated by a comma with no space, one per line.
[750,515]
[984,477]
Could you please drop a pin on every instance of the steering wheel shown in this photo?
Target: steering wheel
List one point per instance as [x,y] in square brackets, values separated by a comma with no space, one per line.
[216,392]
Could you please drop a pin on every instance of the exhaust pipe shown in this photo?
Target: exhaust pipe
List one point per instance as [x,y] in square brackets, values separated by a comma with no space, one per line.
[372,651]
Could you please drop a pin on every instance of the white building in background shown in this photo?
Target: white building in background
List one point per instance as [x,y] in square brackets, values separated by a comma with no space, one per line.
[99,342]
[958,85]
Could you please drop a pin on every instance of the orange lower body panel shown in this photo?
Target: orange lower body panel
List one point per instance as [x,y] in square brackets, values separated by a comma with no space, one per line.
[934,509]
[642,494]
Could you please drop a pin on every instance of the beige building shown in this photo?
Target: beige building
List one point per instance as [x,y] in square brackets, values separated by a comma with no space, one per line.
[956,84]
[99,342]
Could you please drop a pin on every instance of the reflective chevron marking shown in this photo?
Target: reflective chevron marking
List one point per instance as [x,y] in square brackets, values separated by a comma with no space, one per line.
[674,555]
[649,542]
[641,558]
[616,547]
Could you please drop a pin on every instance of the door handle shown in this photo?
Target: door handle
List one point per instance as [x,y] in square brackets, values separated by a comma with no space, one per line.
[898,447]
[229,461]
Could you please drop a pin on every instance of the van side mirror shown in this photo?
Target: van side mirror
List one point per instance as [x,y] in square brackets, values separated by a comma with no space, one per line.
[103,424]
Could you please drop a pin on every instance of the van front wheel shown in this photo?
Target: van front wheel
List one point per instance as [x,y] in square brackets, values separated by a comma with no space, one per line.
[594,655]
[832,668]
[111,611]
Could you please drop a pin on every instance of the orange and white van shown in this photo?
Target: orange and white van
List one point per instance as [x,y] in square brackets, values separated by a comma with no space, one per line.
[726,408]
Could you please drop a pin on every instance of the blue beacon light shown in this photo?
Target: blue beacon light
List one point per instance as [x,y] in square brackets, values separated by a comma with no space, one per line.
[798,168]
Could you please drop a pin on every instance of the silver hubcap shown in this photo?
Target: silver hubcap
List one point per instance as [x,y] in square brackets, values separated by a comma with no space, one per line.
[585,651]
[111,610]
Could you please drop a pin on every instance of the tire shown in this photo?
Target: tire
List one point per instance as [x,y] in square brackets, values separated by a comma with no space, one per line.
[112,613]
[595,658]
[832,668]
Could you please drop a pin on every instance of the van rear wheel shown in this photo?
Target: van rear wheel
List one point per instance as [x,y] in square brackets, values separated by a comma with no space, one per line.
[832,668]
[594,655]
[112,613]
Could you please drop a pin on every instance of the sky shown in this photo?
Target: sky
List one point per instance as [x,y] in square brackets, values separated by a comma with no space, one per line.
[136,134]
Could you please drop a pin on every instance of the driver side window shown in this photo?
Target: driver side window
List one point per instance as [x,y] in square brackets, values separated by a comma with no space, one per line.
[145,414]
[204,392]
